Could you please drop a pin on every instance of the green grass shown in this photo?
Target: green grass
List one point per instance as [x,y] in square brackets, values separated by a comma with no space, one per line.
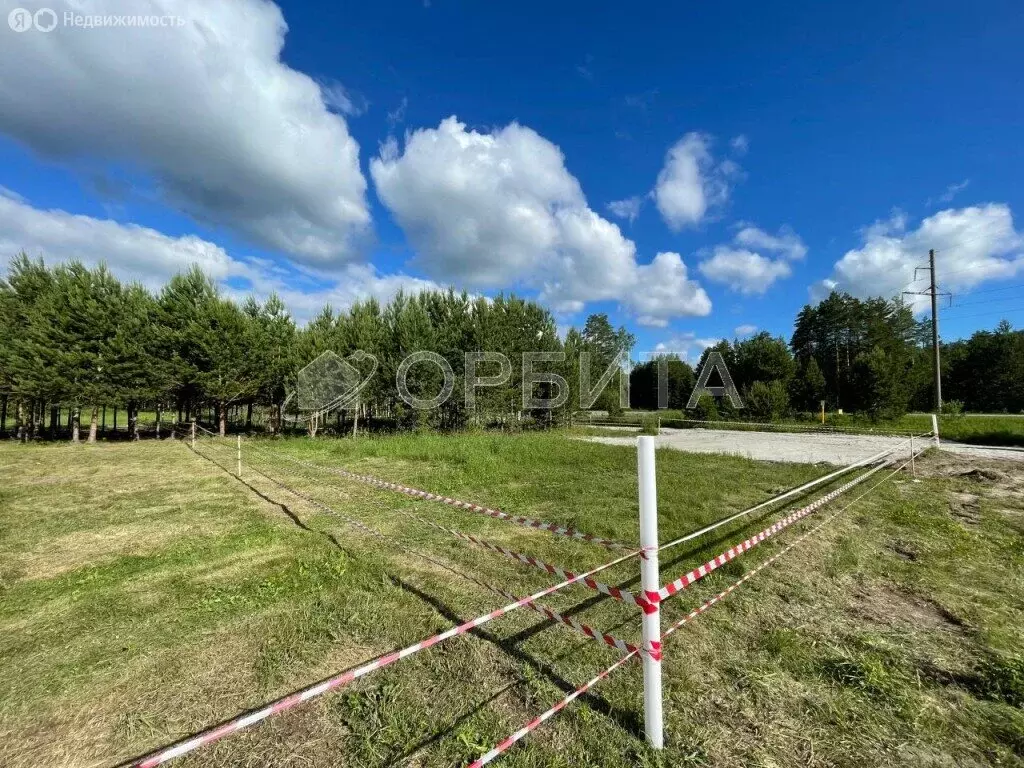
[145,594]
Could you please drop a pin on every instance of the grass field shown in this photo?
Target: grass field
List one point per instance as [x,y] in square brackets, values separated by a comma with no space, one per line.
[145,594]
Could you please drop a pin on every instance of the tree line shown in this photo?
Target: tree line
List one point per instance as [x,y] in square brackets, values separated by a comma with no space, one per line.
[76,339]
[863,356]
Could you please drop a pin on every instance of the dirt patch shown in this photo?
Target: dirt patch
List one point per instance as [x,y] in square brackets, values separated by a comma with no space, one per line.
[889,607]
[986,472]
[964,507]
[904,550]
[982,474]
[1004,493]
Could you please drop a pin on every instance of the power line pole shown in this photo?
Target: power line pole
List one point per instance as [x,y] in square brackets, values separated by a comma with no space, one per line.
[935,334]
[934,293]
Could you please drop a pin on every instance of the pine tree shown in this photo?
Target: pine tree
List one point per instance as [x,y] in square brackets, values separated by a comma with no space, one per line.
[230,374]
[274,344]
[183,311]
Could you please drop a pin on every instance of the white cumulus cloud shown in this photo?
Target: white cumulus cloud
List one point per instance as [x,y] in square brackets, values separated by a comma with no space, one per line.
[496,209]
[749,271]
[628,209]
[691,183]
[688,346]
[206,112]
[743,271]
[787,243]
[664,290]
[973,245]
[141,254]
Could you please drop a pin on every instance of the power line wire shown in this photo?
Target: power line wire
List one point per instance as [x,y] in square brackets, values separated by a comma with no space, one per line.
[992,290]
[986,301]
[985,314]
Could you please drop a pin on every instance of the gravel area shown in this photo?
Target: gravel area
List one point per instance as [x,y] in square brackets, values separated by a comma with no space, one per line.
[803,448]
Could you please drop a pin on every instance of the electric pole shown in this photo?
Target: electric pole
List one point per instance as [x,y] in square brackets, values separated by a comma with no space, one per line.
[935,334]
[934,293]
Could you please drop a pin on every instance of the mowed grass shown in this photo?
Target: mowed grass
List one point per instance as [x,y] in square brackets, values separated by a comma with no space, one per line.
[145,593]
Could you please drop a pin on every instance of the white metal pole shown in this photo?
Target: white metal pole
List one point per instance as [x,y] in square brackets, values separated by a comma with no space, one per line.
[239,456]
[935,429]
[913,466]
[193,434]
[650,582]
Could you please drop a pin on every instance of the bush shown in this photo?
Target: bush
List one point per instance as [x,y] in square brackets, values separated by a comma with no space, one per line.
[706,408]
[649,425]
[767,402]
[953,408]
[878,385]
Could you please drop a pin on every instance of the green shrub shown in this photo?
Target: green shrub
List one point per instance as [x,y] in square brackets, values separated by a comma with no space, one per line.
[649,425]
[706,409]
[953,408]
[767,402]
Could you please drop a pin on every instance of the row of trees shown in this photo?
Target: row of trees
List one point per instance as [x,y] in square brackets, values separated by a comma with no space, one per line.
[863,356]
[77,339]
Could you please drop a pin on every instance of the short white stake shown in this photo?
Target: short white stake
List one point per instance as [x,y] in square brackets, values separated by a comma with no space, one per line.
[913,466]
[935,429]
[649,579]
[193,434]
[239,456]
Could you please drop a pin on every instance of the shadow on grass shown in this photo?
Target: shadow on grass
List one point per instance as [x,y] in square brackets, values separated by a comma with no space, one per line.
[626,719]
[330,537]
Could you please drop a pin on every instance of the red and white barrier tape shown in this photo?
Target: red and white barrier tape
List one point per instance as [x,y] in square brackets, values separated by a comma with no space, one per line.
[306,694]
[540,719]
[497,514]
[548,714]
[782,497]
[563,573]
[731,588]
[543,610]
[606,589]
[588,631]
[699,573]
[288,702]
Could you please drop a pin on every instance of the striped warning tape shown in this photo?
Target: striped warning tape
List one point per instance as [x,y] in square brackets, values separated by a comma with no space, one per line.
[497,514]
[564,573]
[588,631]
[504,745]
[606,589]
[783,496]
[584,629]
[541,718]
[735,551]
[732,587]
[322,687]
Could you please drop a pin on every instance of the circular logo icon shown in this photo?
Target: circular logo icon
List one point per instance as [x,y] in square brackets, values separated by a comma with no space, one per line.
[20,20]
[45,19]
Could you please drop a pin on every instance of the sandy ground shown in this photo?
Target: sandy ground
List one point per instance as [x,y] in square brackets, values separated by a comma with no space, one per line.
[806,448]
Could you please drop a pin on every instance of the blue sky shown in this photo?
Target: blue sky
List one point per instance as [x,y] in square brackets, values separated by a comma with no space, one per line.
[758,155]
